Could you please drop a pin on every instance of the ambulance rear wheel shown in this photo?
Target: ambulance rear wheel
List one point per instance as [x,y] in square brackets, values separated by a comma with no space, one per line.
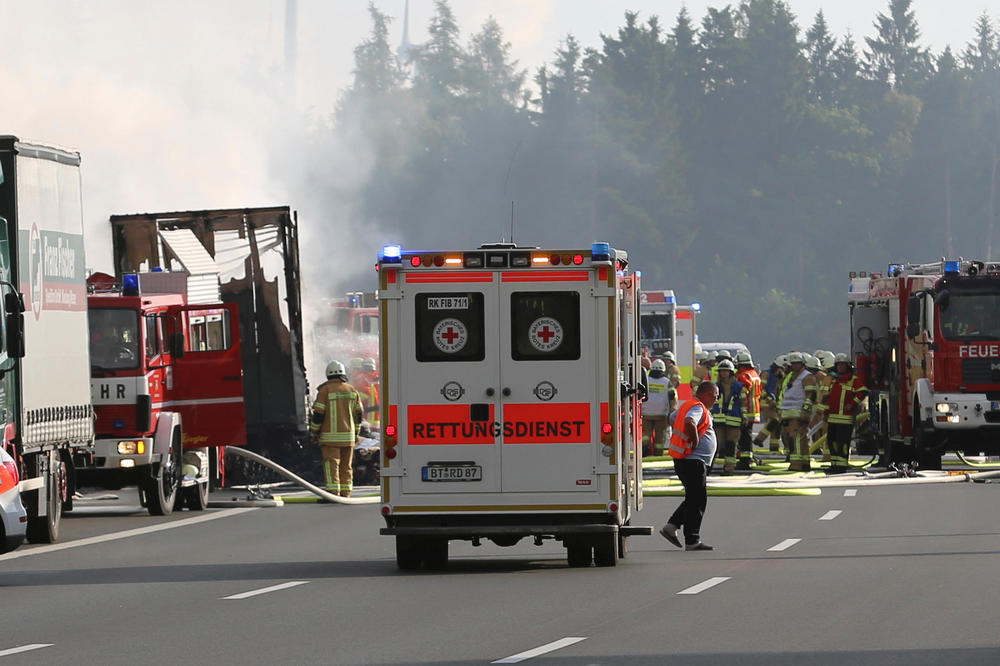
[409,552]
[606,551]
[579,553]
[436,553]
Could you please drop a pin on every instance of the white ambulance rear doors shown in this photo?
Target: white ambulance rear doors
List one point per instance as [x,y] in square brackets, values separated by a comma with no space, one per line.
[498,380]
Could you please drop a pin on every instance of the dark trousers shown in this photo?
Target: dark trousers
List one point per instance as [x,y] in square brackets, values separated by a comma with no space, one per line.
[692,473]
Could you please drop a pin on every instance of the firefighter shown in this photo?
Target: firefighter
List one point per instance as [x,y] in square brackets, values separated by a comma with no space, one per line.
[822,372]
[796,403]
[655,409]
[701,372]
[843,409]
[720,356]
[336,426]
[727,413]
[746,373]
[771,381]
[674,373]
[367,384]
[354,369]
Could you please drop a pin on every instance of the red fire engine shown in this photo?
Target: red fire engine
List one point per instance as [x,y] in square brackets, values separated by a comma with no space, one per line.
[926,340]
[166,387]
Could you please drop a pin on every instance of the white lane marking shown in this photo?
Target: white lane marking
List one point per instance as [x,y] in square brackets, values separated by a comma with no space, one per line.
[830,515]
[548,647]
[24,648]
[265,590]
[784,545]
[850,492]
[113,536]
[701,587]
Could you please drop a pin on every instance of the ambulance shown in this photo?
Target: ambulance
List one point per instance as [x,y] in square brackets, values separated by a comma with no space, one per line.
[511,389]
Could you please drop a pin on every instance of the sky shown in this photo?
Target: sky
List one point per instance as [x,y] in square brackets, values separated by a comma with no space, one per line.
[183,105]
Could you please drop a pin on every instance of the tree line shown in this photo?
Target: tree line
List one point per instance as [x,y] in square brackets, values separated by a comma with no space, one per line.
[742,161]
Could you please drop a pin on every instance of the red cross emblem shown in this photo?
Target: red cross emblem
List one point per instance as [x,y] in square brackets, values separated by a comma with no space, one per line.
[450,335]
[545,334]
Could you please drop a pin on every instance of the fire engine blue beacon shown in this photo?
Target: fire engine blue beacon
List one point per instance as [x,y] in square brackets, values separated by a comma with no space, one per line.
[952,267]
[391,254]
[130,284]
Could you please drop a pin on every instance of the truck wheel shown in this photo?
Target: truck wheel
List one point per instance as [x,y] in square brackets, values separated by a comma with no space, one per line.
[409,553]
[436,553]
[45,529]
[579,553]
[606,551]
[928,450]
[196,497]
[161,490]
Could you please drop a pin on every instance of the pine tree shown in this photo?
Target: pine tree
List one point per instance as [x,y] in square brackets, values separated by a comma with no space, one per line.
[893,57]
[491,76]
[820,49]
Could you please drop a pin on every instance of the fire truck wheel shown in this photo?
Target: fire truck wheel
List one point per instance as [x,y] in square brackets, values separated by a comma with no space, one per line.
[196,497]
[45,529]
[436,553]
[579,553]
[161,490]
[409,552]
[606,551]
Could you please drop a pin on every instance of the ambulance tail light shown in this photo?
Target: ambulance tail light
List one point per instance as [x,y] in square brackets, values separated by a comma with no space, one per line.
[414,261]
[577,259]
[607,432]
[389,441]
[453,261]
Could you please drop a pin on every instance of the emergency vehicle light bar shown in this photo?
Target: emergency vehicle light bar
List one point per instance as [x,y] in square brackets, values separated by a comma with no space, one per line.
[391,254]
[130,284]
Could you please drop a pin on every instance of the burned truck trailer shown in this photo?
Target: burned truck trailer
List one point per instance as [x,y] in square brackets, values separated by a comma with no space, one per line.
[257,252]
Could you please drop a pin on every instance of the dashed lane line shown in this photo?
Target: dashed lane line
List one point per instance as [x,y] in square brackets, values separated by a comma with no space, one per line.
[542,649]
[830,515]
[24,648]
[701,587]
[850,492]
[784,545]
[39,550]
[265,590]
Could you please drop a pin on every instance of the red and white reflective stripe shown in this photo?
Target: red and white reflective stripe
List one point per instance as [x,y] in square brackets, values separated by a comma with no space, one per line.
[546,276]
[448,277]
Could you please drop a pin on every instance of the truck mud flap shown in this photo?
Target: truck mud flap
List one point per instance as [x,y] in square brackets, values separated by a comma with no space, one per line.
[466,531]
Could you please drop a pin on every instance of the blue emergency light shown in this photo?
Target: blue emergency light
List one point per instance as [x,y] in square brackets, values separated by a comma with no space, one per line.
[696,307]
[600,252]
[670,299]
[391,254]
[130,284]
[952,267]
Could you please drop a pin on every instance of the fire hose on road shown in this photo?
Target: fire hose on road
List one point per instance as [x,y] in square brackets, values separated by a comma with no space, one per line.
[291,476]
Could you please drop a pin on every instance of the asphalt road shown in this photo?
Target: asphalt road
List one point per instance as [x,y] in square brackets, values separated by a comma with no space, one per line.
[899,576]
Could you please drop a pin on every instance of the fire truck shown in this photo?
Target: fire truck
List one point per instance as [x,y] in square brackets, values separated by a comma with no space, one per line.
[666,326]
[166,380]
[926,340]
[510,400]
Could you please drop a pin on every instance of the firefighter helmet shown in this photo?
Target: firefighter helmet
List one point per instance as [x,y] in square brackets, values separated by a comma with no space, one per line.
[669,355]
[658,365]
[812,363]
[700,356]
[726,364]
[826,358]
[842,358]
[724,354]
[744,358]
[369,365]
[335,369]
[781,360]
[354,365]
[796,357]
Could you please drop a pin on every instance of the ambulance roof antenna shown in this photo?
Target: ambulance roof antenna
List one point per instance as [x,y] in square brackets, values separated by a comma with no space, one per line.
[510,165]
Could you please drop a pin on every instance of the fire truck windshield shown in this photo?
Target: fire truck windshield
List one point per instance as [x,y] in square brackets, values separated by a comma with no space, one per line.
[974,316]
[114,339]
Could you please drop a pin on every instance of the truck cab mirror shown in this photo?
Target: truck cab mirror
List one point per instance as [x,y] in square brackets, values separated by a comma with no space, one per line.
[177,345]
[912,330]
[913,316]
[14,323]
[942,300]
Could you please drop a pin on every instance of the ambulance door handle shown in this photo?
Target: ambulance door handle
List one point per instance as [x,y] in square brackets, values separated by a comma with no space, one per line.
[490,391]
[506,392]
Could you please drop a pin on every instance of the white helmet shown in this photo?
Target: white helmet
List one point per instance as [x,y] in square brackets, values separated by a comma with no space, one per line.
[744,358]
[658,365]
[812,363]
[781,361]
[335,369]
[354,365]
[726,364]
[843,358]
[826,358]
[723,354]
[669,355]
[796,357]
[369,365]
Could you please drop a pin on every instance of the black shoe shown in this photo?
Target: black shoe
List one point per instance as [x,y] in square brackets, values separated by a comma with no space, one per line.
[698,546]
[670,534]
[743,466]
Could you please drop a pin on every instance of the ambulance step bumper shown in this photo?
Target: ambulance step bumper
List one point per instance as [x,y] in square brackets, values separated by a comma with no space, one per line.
[468,531]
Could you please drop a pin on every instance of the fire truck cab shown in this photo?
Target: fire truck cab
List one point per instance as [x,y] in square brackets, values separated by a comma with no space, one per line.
[510,390]
[926,340]
[166,386]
